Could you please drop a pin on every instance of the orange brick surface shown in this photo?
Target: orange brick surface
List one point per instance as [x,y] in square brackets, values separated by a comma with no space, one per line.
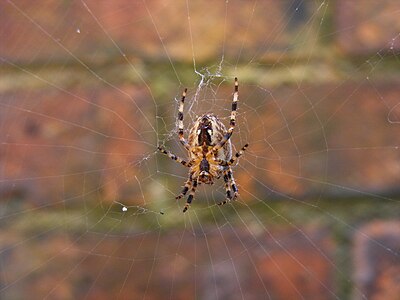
[377,267]
[180,264]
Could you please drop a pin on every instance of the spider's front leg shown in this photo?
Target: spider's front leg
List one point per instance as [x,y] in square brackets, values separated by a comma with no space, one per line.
[232,122]
[191,195]
[180,122]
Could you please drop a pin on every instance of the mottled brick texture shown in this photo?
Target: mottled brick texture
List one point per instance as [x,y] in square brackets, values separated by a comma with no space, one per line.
[376,256]
[152,29]
[228,263]
[368,26]
[85,99]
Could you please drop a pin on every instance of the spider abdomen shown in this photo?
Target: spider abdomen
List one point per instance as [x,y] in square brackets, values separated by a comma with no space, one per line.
[207,131]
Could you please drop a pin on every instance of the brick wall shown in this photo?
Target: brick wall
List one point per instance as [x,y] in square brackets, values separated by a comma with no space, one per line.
[72,144]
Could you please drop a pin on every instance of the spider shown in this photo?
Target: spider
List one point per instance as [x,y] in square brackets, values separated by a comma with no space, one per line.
[210,151]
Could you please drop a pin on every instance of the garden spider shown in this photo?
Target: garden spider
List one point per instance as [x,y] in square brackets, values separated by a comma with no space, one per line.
[210,151]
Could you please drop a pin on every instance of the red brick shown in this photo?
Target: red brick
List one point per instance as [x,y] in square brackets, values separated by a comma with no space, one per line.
[48,32]
[330,138]
[368,27]
[226,260]
[377,265]
[80,144]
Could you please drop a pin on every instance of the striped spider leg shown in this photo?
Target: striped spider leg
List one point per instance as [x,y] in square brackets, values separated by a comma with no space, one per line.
[230,184]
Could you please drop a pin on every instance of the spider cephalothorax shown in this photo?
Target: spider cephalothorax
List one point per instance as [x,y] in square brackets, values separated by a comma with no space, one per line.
[210,151]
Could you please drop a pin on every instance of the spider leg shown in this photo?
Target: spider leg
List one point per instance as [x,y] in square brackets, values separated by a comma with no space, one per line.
[230,184]
[232,122]
[180,121]
[227,189]
[234,103]
[185,189]
[238,154]
[174,157]
[221,162]
[191,195]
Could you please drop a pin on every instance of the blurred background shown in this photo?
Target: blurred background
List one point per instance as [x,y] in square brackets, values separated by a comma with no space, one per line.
[89,89]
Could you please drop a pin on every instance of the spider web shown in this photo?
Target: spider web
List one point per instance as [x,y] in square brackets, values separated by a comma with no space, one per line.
[89,90]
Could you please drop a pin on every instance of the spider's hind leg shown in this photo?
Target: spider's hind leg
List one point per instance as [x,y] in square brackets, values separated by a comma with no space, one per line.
[232,184]
[191,195]
[227,190]
[185,189]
